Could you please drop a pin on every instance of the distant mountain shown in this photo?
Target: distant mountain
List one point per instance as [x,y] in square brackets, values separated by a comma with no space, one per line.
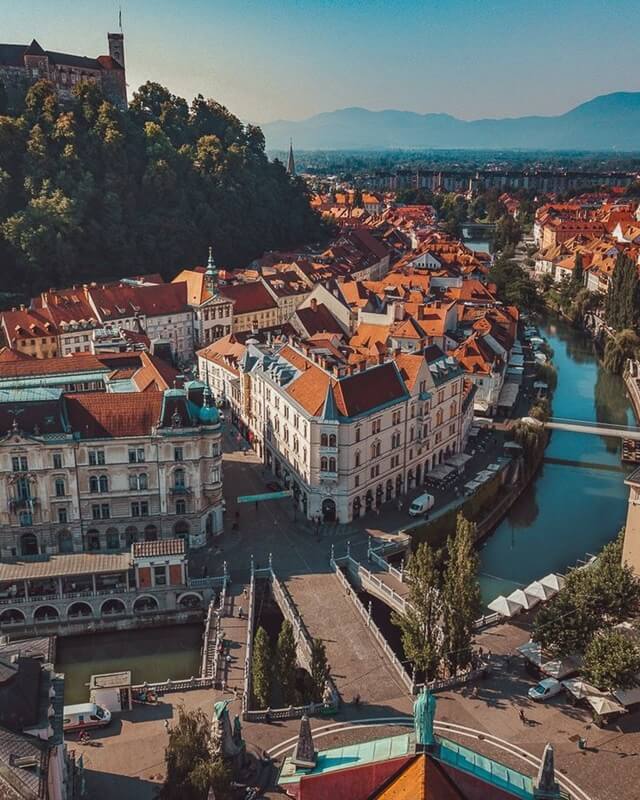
[608,122]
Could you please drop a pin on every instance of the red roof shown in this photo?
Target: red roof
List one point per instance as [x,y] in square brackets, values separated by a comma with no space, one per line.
[249,297]
[98,415]
[161,547]
[121,300]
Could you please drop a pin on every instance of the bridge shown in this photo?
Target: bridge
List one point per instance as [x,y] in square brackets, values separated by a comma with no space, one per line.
[594,428]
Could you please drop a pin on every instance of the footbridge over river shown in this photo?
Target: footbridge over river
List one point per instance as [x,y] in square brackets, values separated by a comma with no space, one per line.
[594,428]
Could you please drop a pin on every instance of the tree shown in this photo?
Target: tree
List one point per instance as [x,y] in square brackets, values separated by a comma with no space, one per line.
[622,304]
[191,769]
[618,349]
[319,669]
[460,596]
[261,674]
[593,598]
[419,624]
[287,662]
[577,276]
[612,661]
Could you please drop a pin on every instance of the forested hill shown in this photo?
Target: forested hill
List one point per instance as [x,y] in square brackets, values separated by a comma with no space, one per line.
[88,192]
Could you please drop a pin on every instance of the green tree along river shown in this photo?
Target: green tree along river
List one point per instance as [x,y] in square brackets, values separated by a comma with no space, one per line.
[568,510]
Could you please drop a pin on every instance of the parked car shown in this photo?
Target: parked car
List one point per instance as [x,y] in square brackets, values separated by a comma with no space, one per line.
[421,504]
[549,687]
[85,715]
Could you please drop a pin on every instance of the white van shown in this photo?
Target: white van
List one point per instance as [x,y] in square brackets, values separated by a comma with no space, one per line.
[422,504]
[85,715]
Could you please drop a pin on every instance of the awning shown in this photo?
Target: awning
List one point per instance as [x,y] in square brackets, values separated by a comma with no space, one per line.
[494,467]
[559,668]
[553,581]
[540,591]
[508,395]
[481,405]
[628,697]
[532,651]
[458,460]
[505,607]
[605,705]
[441,472]
[471,486]
[526,600]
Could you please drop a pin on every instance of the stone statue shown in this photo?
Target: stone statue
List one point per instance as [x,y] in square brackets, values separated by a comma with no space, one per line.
[223,740]
[424,712]
[304,754]
[327,695]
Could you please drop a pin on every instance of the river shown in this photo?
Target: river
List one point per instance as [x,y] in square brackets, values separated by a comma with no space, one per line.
[567,511]
[152,654]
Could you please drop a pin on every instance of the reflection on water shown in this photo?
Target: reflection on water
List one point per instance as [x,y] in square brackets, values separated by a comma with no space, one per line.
[569,510]
[152,654]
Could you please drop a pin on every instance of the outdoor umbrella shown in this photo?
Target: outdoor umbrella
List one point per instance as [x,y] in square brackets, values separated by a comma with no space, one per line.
[604,705]
[523,597]
[532,651]
[539,590]
[507,608]
[553,581]
[579,688]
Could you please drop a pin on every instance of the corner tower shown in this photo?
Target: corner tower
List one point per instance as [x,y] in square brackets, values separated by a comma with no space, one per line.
[116,47]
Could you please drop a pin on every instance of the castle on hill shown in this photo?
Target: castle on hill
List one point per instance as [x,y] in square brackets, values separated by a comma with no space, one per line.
[21,65]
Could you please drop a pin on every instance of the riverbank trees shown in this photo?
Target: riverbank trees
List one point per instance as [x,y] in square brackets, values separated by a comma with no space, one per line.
[593,599]
[622,303]
[612,661]
[618,348]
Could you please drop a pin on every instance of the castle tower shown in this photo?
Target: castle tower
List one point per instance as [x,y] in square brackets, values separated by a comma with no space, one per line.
[116,47]
[291,164]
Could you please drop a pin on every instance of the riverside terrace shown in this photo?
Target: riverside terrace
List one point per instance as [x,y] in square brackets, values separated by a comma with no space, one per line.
[64,593]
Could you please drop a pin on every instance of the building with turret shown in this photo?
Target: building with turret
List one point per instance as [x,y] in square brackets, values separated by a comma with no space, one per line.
[22,65]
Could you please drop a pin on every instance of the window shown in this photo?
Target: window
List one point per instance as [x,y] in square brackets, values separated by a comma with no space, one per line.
[375,449]
[60,487]
[178,479]
[375,426]
[181,507]
[136,456]
[332,440]
[332,465]
[140,508]
[93,483]
[215,450]
[160,576]
[324,439]
[113,540]
[138,481]
[357,459]
[324,463]
[396,418]
[100,511]
[96,457]
[103,482]
[62,515]
[215,475]
[356,481]
[19,464]
[357,434]
[178,454]
[57,460]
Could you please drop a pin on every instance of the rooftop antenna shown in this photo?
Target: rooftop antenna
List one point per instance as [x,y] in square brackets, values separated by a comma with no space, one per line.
[120,18]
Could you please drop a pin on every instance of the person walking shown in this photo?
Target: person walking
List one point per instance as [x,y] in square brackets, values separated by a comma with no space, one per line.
[523,719]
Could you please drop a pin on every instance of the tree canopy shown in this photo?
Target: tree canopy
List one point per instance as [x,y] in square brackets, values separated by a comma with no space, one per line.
[89,192]
[622,304]
[612,661]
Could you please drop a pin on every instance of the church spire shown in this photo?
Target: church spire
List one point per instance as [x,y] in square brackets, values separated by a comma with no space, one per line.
[291,164]
[211,273]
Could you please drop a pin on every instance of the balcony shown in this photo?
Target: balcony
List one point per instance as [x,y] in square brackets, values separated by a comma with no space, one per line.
[180,490]
[22,503]
[326,475]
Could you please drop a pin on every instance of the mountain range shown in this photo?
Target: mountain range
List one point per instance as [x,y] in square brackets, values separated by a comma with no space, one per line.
[608,122]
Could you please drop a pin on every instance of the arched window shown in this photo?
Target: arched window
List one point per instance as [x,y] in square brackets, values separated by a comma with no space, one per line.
[103,482]
[143,481]
[323,463]
[452,411]
[113,539]
[332,465]
[150,533]
[93,483]
[357,458]
[323,440]
[439,417]
[131,535]
[181,529]
[332,440]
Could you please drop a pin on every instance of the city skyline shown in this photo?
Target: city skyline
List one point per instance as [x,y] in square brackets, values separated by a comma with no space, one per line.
[462,58]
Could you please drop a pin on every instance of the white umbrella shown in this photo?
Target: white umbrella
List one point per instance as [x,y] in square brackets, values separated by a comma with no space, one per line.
[604,705]
[553,581]
[507,608]
[539,590]
[523,597]
[579,688]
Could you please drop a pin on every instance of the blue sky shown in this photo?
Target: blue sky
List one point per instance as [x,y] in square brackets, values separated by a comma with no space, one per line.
[270,59]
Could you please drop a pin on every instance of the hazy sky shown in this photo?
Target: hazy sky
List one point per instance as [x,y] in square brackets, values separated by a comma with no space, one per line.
[270,59]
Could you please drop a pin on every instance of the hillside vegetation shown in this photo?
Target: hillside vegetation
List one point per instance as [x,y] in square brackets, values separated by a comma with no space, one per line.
[88,192]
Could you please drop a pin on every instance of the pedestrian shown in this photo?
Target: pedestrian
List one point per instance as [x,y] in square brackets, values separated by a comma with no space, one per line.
[240,612]
[166,725]
[523,719]
[245,592]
